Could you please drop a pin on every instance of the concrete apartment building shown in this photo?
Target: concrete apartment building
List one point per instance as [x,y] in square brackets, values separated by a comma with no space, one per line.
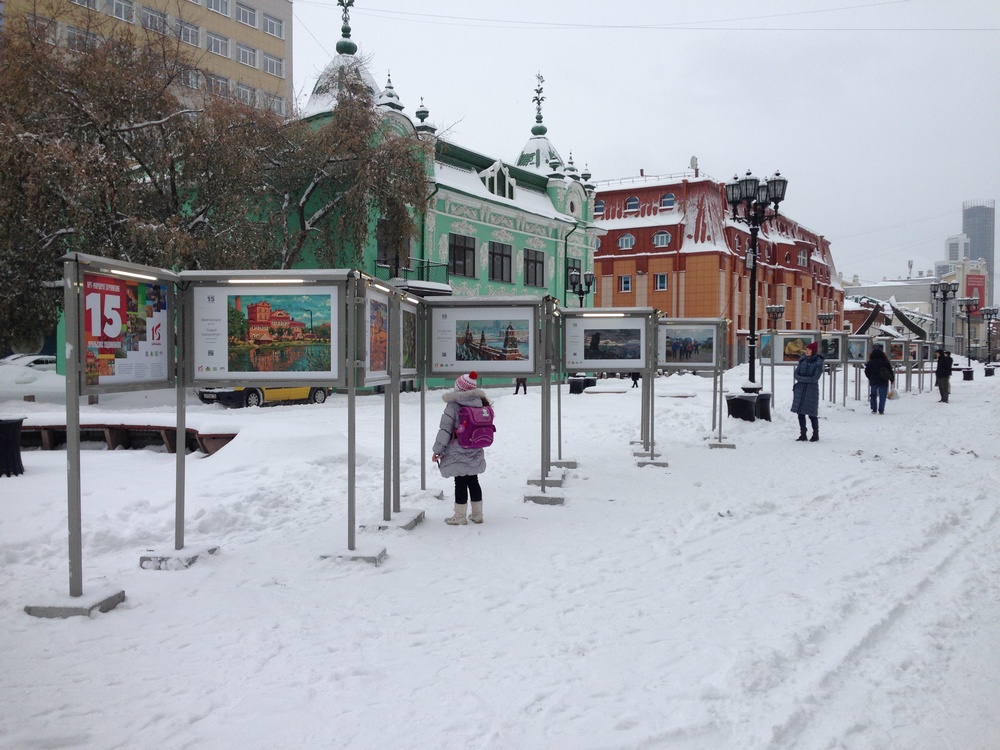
[241,48]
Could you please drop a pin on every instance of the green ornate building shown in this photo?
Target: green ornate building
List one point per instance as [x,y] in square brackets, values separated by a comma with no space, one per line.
[492,227]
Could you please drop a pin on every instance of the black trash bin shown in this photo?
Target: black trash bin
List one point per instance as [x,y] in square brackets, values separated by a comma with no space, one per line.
[967,373]
[989,372]
[576,385]
[10,446]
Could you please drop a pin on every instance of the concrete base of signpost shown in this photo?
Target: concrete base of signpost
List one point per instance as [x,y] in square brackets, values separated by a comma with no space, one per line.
[549,497]
[565,463]
[373,555]
[407,520]
[647,461]
[173,559]
[721,445]
[554,479]
[78,606]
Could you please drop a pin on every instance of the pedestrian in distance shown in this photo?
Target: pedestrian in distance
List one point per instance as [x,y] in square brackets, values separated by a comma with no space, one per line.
[520,383]
[805,392]
[453,460]
[635,379]
[943,374]
[880,376]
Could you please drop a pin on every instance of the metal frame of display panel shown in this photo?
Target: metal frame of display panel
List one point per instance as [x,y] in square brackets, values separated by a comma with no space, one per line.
[96,295]
[696,326]
[488,335]
[207,326]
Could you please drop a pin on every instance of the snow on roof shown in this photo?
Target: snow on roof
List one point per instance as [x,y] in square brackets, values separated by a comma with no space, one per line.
[324,94]
[468,182]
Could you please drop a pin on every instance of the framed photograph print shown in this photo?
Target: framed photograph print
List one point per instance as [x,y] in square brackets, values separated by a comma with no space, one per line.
[688,344]
[491,340]
[859,348]
[792,345]
[260,333]
[605,343]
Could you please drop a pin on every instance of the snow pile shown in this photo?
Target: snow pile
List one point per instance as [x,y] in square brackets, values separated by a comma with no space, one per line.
[839,594]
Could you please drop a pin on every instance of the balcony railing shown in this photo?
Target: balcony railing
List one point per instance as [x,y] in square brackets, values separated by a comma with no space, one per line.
[417,270]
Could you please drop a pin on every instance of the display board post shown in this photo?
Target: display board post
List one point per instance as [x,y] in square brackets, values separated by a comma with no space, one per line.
[72,285]
[180,434]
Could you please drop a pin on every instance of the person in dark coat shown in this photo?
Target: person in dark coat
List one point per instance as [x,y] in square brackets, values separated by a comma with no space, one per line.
[464,464]
[943,374]
[879,372]
[805,392]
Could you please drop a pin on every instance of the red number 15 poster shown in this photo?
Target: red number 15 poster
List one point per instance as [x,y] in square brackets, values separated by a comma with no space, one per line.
[125,324]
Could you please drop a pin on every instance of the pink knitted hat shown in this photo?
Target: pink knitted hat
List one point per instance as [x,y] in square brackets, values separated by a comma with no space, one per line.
[466,382]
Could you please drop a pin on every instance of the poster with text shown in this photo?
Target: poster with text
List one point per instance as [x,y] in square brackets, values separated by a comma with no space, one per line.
[376,337]
[687,345]
[489,340]
[259,333]
[125,331]
[594,343]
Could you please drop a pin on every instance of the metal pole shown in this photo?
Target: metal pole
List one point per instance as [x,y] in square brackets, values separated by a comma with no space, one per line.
[396,375]
[752,337]
[180,436]
[71,293]
[351,360]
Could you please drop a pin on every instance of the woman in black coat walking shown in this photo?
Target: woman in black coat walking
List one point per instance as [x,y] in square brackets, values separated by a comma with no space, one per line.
[878,370]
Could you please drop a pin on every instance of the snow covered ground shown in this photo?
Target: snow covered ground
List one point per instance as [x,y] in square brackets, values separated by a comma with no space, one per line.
[839,594]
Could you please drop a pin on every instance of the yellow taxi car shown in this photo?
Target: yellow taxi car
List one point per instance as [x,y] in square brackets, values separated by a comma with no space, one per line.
[253,396]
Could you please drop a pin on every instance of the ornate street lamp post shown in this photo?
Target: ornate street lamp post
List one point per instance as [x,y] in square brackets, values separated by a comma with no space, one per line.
[968,306]
[989,316]
[750,200]
[824,320]
[580,290]
[943,291]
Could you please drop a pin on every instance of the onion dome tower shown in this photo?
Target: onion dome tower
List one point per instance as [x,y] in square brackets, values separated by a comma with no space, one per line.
[538,153]
[324,93]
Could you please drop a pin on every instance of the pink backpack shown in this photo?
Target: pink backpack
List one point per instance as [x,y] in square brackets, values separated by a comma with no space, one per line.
[474,426]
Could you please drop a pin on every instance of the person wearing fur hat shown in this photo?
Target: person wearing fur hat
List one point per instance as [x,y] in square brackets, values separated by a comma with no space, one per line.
[464,464]
[805,392]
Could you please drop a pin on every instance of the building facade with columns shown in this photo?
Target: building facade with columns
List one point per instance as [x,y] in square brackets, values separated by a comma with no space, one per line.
[670,244]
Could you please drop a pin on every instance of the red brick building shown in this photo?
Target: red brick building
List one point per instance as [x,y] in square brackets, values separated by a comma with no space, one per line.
[671,245]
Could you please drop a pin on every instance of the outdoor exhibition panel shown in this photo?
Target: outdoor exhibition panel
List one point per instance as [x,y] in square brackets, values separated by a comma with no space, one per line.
[607,339]
[266,328]
[691,343]
[496,336]
[859,349]
[120,321]
[785,347]
[833,347]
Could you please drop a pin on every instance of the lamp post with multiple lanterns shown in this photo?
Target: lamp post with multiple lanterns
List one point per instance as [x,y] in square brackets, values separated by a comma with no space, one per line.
[943,291]
[989,317]
[580,290]
[751,200]
[968,306]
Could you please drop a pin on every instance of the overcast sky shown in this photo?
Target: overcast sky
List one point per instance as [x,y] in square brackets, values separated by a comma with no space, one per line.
[884,116]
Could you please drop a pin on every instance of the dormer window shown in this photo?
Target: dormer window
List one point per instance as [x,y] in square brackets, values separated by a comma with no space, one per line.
[667,201]
[632,204]
[626,242]
[498,181]
[661,239]
[599,208]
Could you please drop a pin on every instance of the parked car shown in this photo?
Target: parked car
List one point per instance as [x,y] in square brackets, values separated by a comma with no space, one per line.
[252,396]
[34,361]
